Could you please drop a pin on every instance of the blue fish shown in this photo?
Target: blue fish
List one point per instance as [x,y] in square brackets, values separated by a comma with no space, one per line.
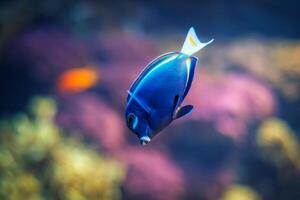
[155,97]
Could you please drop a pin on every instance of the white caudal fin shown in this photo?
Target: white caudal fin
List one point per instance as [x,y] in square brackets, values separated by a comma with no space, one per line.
[192,44]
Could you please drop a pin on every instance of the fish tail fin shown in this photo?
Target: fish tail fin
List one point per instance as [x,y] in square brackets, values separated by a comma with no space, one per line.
[192,44]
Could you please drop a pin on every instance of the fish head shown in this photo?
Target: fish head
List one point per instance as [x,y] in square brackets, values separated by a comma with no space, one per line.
[137,122]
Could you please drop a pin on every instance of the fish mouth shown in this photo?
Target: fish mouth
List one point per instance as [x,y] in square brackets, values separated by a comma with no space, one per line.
[145,140]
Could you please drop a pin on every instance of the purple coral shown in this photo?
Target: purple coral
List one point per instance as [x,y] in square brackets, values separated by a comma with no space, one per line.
[231,101]
[50,51]
[151,175]
[127,55]
[95,118]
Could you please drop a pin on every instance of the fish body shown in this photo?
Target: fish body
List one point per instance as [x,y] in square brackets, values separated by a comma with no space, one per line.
[155,98]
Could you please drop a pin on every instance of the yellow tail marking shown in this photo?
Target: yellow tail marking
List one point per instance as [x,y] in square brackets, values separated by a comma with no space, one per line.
[192,41]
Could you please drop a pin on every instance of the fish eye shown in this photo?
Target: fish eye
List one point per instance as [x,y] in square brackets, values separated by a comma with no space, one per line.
[132,121]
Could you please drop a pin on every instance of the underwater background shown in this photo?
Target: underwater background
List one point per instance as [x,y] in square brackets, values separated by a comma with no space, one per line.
[65,70]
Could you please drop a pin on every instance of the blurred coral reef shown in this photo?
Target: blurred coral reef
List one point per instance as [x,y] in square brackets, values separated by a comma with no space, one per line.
[66,70]
[278,144]
[38,159]
[231,101]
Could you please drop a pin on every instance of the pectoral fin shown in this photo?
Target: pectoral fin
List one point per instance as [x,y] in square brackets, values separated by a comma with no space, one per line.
[184,110]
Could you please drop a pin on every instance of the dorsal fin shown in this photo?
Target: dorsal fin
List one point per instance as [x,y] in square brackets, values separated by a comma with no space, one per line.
[192,44]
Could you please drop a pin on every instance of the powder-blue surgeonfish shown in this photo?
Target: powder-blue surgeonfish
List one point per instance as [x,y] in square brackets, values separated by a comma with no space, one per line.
[155,98]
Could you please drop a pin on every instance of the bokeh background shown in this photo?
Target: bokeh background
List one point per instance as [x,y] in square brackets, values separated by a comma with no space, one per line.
[65,70]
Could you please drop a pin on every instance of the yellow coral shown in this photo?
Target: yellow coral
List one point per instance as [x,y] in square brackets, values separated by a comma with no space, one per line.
[286,57]
[20,185]
[43,108]
[239,192]
[33,146]
[278,142]
[275,62]
[82,174]
[38,136]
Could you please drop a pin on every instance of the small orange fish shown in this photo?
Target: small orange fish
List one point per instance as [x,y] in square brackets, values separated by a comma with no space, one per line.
[77,79]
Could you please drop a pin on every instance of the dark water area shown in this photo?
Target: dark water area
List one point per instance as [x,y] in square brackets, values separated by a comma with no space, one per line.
[230,19]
